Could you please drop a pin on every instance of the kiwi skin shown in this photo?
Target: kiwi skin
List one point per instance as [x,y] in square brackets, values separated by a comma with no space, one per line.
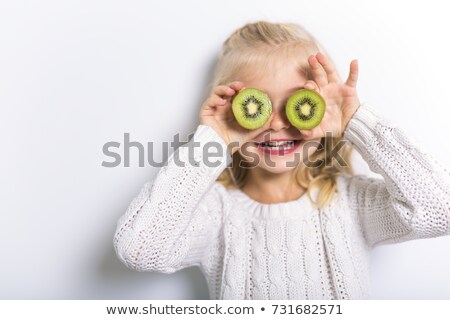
[305,109]
[251,108]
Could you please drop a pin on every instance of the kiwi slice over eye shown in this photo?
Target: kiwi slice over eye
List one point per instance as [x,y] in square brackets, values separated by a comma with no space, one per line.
[305,109]
[251,108]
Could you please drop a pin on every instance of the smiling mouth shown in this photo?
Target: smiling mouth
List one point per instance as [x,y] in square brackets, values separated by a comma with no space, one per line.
[278,147]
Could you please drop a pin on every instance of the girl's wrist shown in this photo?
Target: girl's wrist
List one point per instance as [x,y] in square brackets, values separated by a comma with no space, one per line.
[347,117]
[229,144]
[206,133]
[233,145]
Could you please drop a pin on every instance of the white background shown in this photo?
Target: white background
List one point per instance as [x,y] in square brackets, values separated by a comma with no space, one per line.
[77,74]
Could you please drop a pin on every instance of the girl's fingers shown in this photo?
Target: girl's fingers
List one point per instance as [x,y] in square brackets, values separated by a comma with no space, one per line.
[236,85]
[228,90]
[318,72]
[311,85]
[223,91]
[328,66]
[353,74]
[214,101]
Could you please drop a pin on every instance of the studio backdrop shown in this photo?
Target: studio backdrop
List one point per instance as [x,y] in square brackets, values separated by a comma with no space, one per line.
[76,75]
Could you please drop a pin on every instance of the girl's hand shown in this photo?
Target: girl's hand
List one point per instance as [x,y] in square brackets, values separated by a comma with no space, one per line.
[341,98]
[216,112]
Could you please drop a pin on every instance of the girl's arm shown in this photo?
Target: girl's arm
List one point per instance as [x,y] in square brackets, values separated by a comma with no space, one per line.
[413,201]
[170,224]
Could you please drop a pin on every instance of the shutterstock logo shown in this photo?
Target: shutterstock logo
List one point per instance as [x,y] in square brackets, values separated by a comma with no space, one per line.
[119,153]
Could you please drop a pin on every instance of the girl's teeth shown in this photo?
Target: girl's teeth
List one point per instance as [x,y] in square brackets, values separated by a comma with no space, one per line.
[278,144]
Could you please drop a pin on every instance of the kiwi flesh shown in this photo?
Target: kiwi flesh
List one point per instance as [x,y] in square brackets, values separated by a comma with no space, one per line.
[251,108]
[305,109]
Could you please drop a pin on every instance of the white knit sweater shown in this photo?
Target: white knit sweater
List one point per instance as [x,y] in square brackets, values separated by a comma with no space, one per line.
[290,250]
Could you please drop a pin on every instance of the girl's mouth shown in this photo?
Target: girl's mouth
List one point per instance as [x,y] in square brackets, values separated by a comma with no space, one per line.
[278,147]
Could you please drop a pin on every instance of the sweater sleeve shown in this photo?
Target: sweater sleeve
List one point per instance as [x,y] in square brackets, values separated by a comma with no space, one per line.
[412,200]
[170,223]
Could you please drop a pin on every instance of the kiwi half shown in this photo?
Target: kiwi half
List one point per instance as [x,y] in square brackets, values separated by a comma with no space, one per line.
[305,109]
[251,108]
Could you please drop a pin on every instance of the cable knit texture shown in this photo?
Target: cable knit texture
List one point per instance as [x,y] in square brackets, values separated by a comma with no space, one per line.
[289,250]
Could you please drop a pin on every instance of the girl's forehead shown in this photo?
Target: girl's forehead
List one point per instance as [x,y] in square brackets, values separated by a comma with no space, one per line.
[278,79]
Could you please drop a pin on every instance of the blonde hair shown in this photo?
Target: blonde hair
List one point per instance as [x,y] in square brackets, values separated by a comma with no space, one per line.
[256,42]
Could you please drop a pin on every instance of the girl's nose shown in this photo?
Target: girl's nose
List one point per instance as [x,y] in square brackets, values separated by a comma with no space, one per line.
[279,120]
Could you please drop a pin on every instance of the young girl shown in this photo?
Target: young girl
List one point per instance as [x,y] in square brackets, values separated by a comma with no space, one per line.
[272,230]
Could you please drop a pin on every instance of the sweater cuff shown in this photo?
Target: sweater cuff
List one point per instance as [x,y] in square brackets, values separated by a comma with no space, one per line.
[361,128]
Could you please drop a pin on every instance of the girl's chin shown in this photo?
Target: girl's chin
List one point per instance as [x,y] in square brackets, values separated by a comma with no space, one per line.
[273,162]
[277,169]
